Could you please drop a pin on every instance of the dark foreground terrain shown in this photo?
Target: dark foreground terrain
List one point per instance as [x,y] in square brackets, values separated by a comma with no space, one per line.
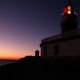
[42,68]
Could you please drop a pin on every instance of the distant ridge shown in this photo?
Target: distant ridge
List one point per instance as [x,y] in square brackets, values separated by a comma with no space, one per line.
[6,61]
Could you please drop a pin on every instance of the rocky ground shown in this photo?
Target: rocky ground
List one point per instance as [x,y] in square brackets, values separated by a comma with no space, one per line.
[41,68]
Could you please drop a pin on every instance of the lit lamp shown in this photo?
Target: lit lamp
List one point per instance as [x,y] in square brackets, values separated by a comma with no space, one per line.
[67,10]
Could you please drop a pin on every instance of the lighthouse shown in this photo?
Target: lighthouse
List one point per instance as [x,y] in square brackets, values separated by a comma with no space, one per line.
[67,43]
[69,20]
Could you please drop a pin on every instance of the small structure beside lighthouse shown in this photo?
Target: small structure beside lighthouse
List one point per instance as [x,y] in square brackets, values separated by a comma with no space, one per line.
[68,42]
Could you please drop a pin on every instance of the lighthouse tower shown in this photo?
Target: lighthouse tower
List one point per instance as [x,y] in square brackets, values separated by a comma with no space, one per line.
[69,20]
[68,42]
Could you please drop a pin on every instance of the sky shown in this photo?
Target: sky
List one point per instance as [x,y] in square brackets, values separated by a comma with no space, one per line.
[24,23]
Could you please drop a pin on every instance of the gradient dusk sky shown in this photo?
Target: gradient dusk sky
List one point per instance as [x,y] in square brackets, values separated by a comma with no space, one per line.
[24,23]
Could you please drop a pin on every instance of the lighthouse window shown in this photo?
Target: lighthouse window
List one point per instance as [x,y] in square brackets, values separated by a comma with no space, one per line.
[45,51]
[56,49]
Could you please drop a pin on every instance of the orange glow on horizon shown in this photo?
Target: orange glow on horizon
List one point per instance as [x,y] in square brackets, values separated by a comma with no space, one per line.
[9,56]
[12,54]
[14,49]
[12,57]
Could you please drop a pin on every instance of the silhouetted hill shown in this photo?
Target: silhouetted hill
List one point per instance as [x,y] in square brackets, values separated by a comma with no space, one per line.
[39,67]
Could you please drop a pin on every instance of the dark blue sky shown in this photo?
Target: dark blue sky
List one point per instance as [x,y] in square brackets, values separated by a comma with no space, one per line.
[24,23]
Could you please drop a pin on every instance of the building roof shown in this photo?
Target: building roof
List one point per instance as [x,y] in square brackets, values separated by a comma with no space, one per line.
[71,35]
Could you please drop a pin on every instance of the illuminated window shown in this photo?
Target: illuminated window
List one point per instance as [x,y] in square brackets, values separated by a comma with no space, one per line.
[56,49]
[45,51]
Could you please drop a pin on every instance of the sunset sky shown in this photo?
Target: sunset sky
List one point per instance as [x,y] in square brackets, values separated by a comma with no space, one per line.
[24,23]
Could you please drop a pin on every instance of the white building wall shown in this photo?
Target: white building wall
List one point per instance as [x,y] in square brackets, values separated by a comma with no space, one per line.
[70,48]
[50,50]
[66,48]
